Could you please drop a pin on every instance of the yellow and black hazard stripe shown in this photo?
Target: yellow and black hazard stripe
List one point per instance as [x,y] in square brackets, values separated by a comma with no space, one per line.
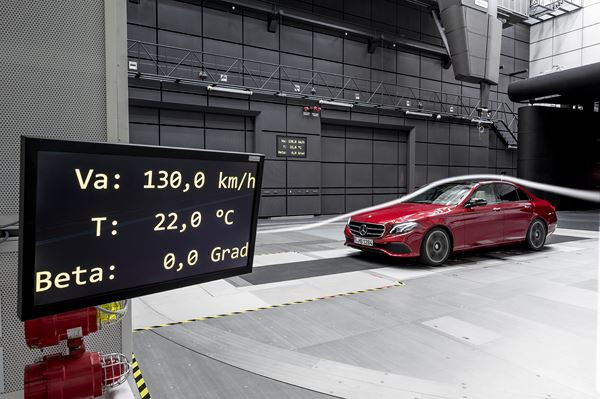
[398,284]
[139,380]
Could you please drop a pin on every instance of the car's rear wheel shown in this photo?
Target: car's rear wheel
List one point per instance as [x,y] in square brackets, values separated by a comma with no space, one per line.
[536,235]
[435,247]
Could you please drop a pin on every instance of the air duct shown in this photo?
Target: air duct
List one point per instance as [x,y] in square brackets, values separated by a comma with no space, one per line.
[474,35]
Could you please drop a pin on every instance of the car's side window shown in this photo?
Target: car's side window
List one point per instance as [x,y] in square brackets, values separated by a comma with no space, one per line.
[508,193]
[523,195]
[487,193]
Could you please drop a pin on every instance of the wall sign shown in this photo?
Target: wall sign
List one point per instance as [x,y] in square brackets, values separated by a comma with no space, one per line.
[293,147]
[102,222]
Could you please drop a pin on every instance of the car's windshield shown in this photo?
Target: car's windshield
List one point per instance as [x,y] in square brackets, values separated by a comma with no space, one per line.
[445,194]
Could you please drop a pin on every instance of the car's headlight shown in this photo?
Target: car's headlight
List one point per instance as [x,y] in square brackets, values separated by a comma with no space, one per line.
[402,228]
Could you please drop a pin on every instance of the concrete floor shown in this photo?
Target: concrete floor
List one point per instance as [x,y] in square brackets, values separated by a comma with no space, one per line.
[494,324]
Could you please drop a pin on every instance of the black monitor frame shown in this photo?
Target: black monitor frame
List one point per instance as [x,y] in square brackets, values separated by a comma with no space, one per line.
[30,147]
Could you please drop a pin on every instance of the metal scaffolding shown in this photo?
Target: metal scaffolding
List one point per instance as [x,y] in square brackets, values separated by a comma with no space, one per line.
[164,63]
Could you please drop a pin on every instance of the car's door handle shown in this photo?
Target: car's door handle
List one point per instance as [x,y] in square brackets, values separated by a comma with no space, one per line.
[527,206]
[497,209]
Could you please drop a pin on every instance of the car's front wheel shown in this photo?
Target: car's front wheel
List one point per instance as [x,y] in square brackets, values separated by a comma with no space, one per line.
[435,247]
[536,235]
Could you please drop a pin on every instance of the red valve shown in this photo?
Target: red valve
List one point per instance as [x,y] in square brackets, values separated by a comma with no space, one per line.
[75,376]
[50,330]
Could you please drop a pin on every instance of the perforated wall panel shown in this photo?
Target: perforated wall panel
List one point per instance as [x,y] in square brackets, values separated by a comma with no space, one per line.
[52,84]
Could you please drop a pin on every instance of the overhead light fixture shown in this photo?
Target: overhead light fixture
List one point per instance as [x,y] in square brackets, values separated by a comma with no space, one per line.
[336,103]
[416,113]
[229,90]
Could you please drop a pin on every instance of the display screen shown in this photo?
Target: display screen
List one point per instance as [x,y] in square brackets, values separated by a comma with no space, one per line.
[103,222]
[293,147]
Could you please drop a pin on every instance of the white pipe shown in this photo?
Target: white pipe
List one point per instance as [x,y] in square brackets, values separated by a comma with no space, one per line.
[229,90]
[592,196]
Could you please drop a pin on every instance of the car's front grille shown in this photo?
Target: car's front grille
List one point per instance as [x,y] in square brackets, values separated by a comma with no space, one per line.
[371,230]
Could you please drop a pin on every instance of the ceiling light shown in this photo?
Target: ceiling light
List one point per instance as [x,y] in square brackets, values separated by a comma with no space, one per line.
[416,113]
[336,103]
[229,90]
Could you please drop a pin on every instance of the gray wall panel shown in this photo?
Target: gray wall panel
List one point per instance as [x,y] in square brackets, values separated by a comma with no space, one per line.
[459,134]
[478,156]
[384,59]
[332,149]
[356,132]
[332,204]
[385,152]
[181,118]
[223,121]
[420,175]
[459,155]
[303,174]
[143,115]
[274,174]
[402,153]
[256,34]
[436,173]
[267,144]
[297,41]
[222,25]
[179,16]
[272,116]
[143,13]
[298,123]
[225,140]
[328,47]
[421,153]
[333,174]
[359,151]
[354,202]
[402,176]
[272,206]
[333,131]
[437,154]
[359,175]
[304,205]
[143,134]
[385,175]
[176,39]
[355,53]
[177,136]
[438,132]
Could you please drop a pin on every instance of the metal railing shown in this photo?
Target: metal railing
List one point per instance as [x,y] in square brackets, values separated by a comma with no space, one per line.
[174,64]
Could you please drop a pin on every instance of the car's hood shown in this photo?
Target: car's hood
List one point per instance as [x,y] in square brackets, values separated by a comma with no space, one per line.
[402,213]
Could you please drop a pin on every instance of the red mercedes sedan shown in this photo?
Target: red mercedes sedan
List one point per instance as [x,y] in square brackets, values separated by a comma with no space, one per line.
[454,217]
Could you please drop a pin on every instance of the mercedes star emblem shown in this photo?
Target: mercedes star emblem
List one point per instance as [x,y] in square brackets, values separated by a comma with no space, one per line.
[363,229]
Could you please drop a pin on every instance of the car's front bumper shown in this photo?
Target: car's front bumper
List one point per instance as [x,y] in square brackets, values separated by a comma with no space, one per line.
[402,246]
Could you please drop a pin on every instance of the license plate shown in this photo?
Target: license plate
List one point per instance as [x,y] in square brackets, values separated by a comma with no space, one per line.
[363,241]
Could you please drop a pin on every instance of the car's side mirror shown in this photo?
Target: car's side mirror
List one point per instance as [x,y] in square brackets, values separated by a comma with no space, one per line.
[475,202]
